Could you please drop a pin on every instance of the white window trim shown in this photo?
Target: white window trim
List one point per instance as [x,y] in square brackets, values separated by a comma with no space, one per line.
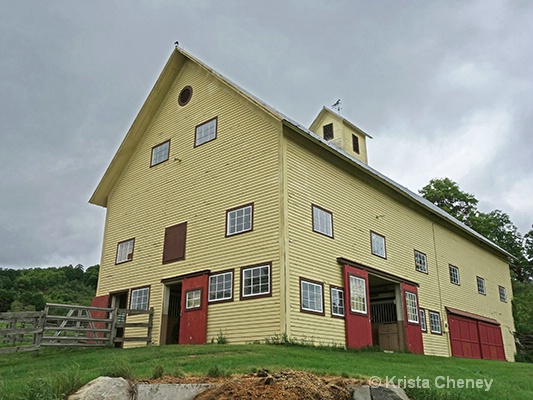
[355,293]
[194,295]
[156,154]
[481,289]
[503,293]
[259,293]
[421,262]
[232,220]
[423,321]
[140,298]
[205,132]
[322,221]
[318,303]
[376,246]
[125,251]
[411,306]
[456,269]
[340,295]
[215,278]
[431,326]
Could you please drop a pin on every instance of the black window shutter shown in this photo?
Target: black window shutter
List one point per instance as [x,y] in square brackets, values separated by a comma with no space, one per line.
[328,131]
[174,247]
[355,144]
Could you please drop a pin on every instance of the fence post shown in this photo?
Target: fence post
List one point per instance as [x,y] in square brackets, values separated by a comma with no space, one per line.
[150,325]
[113,315]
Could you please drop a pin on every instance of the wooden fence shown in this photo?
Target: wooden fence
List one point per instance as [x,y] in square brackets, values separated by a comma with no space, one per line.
[67,325]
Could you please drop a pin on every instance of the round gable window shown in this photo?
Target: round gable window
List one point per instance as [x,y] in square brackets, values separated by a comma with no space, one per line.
[185,95]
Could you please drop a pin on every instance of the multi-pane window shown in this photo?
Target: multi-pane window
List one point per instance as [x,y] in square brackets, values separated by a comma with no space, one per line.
[454,275]
[423,324]
[328,131]
[358,295]
[337,302]
[378,245]
[125,251]
[193,299]
[221,286]
[205,132]
[412,307]
[239,220]
[421,262]
[434,322]
[160,153]
[139,299]
[322,221]
[503,294]
[480,285]
[255,281]
[355,144]
[311,295]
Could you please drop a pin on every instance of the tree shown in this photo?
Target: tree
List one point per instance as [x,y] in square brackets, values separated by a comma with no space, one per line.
[446,194]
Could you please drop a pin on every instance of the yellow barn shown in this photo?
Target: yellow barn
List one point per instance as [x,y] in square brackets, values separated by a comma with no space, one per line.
[229,218]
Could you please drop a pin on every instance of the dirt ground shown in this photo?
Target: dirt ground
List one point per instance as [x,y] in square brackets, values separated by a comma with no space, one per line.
[283,385]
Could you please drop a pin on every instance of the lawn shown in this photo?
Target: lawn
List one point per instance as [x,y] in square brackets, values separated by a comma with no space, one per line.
[27,376]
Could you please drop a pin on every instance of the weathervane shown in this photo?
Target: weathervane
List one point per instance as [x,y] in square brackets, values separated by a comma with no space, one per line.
[176,43]
[337,106]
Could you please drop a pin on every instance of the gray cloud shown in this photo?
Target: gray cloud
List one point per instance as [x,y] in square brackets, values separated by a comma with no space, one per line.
[444,87]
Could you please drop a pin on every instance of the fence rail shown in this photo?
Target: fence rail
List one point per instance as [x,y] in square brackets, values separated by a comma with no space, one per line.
[67,325]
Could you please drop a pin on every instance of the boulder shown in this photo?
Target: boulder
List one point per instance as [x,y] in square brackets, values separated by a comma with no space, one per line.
[106,388]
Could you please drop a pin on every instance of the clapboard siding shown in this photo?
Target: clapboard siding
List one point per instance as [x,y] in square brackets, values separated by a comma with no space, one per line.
[358,208]
[197,185]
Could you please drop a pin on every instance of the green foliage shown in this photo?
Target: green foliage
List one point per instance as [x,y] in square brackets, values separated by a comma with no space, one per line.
[30,289]
[220,339]
[159,371]
[523,307]
[217,372]
[120,369]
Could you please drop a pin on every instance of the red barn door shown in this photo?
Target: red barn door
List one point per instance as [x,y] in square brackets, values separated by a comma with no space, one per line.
[413,332]
[193,323]
[357,303]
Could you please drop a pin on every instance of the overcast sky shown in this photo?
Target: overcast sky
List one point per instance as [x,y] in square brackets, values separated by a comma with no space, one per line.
[444,87]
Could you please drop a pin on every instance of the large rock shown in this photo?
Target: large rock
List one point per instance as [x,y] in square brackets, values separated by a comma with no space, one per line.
[104,388]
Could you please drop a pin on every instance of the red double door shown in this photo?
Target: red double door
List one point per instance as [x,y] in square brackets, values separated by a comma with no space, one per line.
[358,324]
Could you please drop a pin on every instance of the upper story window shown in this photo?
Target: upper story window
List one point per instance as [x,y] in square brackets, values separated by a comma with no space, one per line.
[322,221]
[205,132]
[434,322]
[421,262]
[503,294]
[412,307]
[239,220]
[160,153]
[337,302]
[378,244]
[454,275]
[328,131]
[221,286]
[139,298]
[480,285]
[125,251]
[358,295]
[255,281]
[423,323]
[355,144]
[311,296]
[185,95]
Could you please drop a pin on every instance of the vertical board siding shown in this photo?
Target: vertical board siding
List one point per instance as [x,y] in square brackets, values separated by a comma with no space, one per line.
[197,185]
[359,208]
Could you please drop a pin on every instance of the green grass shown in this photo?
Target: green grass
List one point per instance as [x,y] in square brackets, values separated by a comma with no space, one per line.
[54,372]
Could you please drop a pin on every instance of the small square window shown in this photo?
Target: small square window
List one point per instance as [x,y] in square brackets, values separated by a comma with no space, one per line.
[454,275]
[358,295]
[221,286]
[139,298]
[412,307]
[434,322]
[378,245]
[255,281]
[205,132]
[239,220]
[503,294]
[480,285]
[322,221]
[125,251]
[311,296]
[421,262]
[337,302]
[193,299]
[355,144]
[160,153]
[423,323]
[328,131]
